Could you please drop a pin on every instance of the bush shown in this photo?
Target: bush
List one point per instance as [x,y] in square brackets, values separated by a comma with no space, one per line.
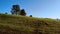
[6,13]
[30,15]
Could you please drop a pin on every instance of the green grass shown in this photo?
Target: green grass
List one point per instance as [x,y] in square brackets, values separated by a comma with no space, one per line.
[16,24]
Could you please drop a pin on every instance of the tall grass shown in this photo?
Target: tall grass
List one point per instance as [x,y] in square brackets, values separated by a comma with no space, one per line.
[16,24]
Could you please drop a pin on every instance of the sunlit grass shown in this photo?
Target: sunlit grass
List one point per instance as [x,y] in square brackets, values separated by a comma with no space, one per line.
[28,25]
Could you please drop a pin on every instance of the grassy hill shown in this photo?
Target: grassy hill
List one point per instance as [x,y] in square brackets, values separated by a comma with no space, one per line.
[14,24]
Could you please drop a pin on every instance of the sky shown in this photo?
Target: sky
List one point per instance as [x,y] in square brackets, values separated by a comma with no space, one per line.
[36,8]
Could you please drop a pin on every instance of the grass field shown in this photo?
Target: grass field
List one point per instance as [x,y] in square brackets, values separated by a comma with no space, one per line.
[15,24]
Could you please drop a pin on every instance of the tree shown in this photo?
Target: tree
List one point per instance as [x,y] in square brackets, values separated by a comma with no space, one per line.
[6,13]
[23,13]
[15,9]
[30,15]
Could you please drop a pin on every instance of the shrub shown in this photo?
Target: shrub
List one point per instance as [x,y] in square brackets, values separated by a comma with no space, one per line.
[6,13]
[30,15]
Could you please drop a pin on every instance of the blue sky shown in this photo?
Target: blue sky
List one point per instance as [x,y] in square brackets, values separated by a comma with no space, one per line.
[37,8]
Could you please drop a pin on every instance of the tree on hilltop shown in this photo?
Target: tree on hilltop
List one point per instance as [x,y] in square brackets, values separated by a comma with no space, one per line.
[23,13]
[15,9]
[30,15]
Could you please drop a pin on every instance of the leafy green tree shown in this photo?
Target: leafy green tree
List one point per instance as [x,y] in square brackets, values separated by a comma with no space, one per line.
[23,13]
[15,9]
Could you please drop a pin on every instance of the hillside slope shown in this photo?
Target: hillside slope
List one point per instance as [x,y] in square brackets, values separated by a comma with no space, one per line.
[12,24]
